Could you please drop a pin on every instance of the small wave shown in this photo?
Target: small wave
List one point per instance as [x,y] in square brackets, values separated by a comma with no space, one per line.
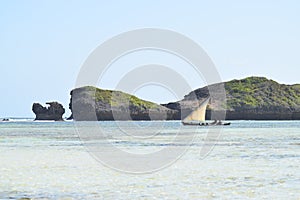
[16,119]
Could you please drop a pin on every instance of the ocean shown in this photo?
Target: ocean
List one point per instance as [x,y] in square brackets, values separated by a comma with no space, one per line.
[52,160]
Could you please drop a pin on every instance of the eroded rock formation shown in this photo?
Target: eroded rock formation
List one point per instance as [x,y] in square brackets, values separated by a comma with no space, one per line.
[252,98]
[92,104]
[53,111]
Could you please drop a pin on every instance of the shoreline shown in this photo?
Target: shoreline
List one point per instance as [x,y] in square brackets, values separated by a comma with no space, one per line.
[18,119]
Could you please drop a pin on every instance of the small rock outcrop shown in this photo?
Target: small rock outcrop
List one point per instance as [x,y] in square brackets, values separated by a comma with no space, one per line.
[52,112]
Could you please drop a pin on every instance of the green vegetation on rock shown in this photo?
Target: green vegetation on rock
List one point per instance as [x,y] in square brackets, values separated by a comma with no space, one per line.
[249,98]
[91,103]
[116,98]
[261,93]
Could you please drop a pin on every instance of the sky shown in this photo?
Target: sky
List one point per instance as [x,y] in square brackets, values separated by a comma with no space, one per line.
[43,44]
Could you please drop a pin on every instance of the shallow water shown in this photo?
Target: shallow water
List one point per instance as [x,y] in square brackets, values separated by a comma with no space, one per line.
[251,159]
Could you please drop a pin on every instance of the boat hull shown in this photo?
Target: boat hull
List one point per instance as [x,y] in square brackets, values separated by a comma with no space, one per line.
[204,124]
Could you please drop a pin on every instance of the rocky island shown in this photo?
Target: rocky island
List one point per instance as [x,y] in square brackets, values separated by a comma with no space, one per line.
[252,98]
[91,103]
[53,112]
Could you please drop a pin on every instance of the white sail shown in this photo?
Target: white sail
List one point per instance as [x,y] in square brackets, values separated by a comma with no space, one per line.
[199,113]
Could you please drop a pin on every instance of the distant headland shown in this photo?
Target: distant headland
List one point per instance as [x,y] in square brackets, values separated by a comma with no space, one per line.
[252,98]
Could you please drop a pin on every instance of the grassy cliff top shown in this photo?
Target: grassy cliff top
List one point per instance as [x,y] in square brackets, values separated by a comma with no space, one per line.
[260,92]
[252,93]
[113,98]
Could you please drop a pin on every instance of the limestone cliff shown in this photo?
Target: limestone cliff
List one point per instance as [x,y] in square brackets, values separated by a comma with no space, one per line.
[253,98]
[91,103]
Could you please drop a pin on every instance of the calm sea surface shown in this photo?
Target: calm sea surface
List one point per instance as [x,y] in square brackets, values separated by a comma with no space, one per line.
[251,159]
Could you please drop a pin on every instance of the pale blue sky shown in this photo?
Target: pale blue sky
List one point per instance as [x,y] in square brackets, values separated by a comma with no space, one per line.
[44,43]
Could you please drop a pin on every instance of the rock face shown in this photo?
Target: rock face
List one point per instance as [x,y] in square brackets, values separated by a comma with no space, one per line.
[253,98]
[92,104]
[53,112]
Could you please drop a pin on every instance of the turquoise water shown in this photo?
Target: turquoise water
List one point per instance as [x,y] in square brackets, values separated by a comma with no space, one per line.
[251,159]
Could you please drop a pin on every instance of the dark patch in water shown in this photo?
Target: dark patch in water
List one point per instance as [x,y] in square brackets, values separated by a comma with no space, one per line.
[297,144]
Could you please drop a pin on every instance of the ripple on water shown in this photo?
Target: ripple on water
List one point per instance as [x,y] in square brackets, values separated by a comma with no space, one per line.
[251,160]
